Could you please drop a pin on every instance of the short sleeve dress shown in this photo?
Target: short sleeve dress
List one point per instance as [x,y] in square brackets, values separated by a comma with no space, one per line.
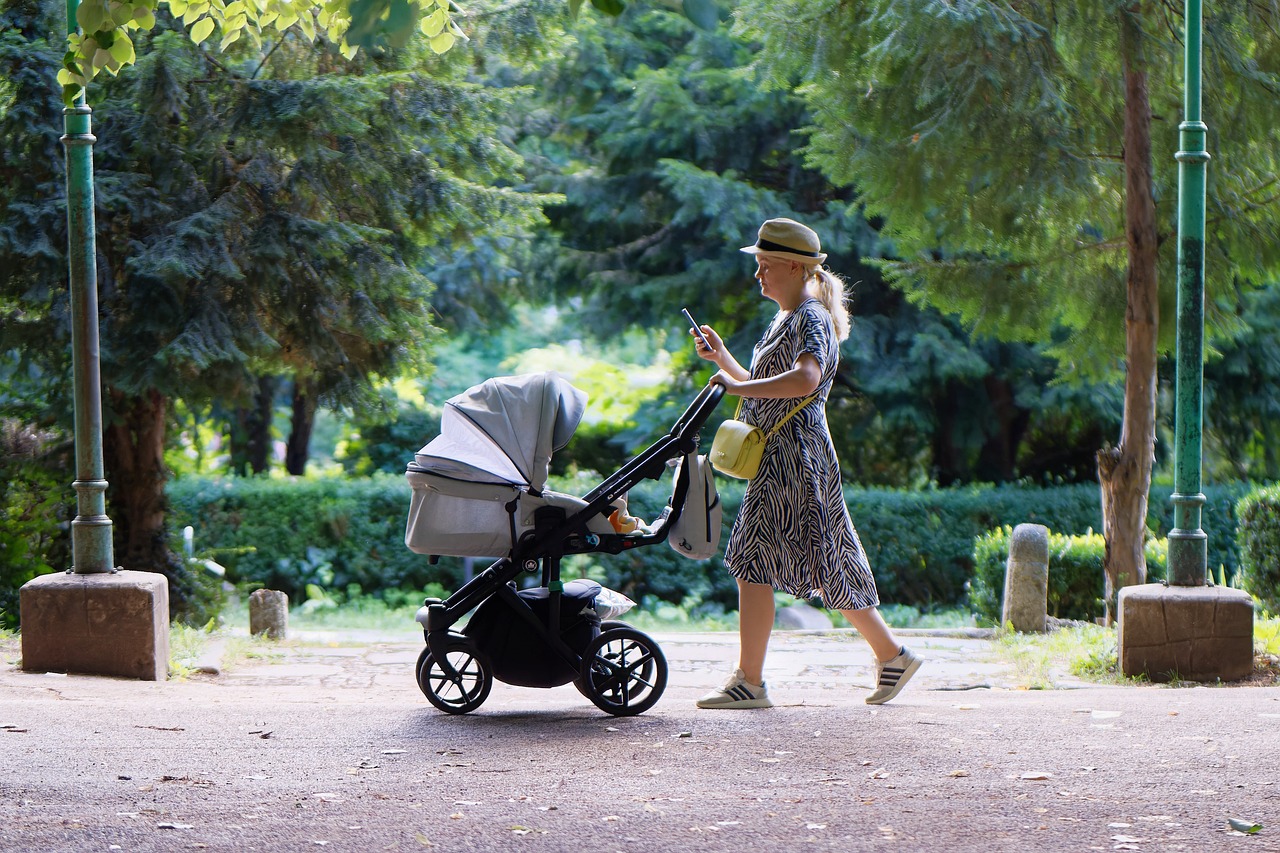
[793,529]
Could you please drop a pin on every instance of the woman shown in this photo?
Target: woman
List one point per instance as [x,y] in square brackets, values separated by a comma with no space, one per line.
[793,530]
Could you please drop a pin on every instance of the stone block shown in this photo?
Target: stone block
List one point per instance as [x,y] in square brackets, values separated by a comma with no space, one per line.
[1026,579]
[269,613]
[1197,633]
[98,624]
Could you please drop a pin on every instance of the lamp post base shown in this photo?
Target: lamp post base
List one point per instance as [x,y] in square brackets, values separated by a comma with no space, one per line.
[1192,633]
[97,624]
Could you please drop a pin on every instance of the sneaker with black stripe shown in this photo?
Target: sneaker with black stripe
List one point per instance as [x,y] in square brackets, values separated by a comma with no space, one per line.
[893,675]
[737,693]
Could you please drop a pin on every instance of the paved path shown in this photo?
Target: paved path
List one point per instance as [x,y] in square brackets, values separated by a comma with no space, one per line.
[327,744]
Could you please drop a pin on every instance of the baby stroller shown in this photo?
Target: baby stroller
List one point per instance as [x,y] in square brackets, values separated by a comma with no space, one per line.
[479,490]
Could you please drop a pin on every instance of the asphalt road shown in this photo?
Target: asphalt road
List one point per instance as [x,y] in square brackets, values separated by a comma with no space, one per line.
[329,745]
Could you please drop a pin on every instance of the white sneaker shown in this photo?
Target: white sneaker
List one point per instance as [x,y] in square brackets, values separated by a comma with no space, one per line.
[893,675]
[737,693]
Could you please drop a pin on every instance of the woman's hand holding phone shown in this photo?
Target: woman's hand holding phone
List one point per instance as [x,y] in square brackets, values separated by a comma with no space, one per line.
[708,343]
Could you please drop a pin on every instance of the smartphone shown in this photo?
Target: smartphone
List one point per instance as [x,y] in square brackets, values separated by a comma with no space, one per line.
[696,328]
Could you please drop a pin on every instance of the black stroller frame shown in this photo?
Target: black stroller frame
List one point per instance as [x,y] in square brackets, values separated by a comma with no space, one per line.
[621,670]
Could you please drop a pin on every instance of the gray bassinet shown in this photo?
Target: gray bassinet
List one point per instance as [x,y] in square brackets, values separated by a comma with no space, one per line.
[477,485]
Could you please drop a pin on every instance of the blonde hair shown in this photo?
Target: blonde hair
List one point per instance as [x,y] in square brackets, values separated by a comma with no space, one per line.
[832,294]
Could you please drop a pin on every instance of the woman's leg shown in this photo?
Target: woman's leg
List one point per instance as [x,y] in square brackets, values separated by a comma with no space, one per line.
[755,623]
[878,635]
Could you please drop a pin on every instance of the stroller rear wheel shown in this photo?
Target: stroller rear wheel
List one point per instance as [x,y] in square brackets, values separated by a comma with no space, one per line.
[623,671]
[468,690]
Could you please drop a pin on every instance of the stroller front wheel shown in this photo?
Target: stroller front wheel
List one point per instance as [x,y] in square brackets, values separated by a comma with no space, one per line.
[623,671]
[461,694]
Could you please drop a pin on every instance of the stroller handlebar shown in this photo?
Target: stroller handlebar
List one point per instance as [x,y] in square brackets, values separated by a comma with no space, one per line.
[699,410]
[652,462]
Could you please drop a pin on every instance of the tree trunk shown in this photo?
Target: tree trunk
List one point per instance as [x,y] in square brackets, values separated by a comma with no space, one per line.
[304,419]
[251,432]
[133,456]
[948,467]
[998,459]
[133,453]
[1125,471]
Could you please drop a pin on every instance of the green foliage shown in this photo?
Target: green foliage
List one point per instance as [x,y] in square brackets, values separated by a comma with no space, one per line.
[286,533]
[262,214]
[1242,395]
[266,214]
[989,136]
[920,543]
[1076,578]
[1258,536]
[670,151]
[107,28]
[35,510]
[339,532]
[1219,519]
[669,155]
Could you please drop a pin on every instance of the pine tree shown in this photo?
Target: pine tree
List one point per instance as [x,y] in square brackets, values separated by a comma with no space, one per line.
[670,152]
[263,213]
[1022,158]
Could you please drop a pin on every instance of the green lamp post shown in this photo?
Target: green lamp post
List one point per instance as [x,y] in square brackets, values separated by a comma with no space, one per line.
[91,530]
[1188,543]
[95,618]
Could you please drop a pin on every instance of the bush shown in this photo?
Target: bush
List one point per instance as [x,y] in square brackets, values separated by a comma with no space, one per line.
[920,544]
[1077,583]
[35,514]
[335,532]
[1258,538]
[1218,518]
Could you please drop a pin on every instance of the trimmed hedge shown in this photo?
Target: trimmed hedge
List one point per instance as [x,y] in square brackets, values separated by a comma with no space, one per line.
[286,533]
[343,533]
[921,543]
[1077,586]
[1258,538]
[340,532]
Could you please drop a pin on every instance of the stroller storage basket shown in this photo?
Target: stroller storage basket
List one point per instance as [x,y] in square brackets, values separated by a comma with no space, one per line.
[518,649]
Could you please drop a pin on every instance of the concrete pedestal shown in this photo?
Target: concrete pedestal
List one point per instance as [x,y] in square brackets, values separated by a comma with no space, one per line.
[1195,633]
[98,624]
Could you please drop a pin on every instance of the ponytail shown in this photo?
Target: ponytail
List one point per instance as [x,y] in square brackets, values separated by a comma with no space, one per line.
[832,294]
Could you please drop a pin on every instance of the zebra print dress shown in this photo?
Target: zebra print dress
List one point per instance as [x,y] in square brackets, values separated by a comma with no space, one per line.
[793,529]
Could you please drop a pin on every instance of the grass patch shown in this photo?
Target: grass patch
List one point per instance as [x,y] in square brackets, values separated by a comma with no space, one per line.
[1266,636]
[367,612]
[1091,653]
[186,645]
[1088,652]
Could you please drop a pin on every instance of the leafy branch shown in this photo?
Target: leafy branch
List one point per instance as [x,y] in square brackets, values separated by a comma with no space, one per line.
[104,39]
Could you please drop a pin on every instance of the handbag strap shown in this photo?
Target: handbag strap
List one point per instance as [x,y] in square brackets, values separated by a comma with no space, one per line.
[806,401]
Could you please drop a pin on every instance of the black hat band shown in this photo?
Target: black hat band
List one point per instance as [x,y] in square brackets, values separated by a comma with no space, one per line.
[770,246]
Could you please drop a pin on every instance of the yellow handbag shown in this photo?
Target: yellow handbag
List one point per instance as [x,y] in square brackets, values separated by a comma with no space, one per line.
[737,447]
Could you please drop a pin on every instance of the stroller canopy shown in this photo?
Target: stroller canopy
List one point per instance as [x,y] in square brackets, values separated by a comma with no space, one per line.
[506,428]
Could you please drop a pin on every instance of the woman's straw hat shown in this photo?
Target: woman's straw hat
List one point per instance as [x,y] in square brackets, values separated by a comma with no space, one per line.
[786,238]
